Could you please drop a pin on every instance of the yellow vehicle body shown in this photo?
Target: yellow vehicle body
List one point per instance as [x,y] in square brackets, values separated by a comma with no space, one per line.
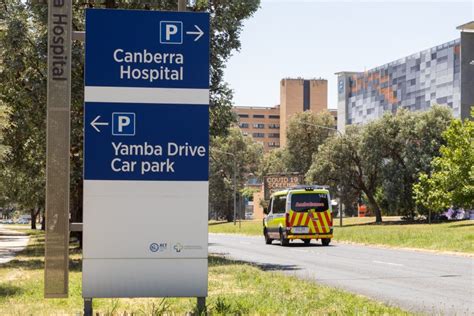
[303,212]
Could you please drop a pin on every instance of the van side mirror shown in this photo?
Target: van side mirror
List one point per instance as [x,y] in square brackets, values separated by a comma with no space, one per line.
[265,210]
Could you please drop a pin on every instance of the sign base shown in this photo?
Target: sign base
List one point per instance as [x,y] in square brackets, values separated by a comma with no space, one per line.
[104,278]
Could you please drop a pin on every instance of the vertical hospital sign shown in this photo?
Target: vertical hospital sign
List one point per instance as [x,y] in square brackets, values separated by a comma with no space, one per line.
[146,144]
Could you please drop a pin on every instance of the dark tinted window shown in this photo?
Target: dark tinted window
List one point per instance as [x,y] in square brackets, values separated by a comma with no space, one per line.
[304,202]
[279,204]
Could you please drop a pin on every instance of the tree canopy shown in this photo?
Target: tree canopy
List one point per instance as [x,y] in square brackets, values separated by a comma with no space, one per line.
[451,182]
[23,69]
[233,153]
[347,163]
[407,142]
[306,132]
[382,159]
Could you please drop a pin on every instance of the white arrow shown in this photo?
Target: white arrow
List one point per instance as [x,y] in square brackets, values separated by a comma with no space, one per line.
[199,32]
[94,123]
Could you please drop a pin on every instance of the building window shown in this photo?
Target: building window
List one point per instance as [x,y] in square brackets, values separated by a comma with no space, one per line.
[443,100]
[244,125]
[245,133]
[273,144]
[274,126]
[274,135]
[258,135]
[274,116]
[258,116]
[243,115]
[442,59]
[259,125]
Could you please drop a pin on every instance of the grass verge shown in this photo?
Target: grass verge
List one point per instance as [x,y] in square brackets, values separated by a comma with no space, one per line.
[451,236]
[234,288]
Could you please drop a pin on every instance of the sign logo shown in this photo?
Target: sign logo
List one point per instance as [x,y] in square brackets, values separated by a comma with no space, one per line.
[171,32]
[178,247]
[341,86]
[155,247]
[123,124]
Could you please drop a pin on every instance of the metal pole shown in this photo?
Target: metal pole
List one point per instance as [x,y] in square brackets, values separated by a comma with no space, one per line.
[56,268]
[241,200]
[235,190]
[201,305]
[182,5]
[340,214]
[87,306]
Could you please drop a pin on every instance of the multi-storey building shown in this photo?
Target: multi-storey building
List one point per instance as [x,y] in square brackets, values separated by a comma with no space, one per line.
[299,95]
[440,75]
[262,123]
[268,124]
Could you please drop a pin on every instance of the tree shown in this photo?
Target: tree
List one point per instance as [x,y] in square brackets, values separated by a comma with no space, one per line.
[305,136]
[235,148]
[407,142]
[23,69]
[274,161]
[451,181]
[23,92]
[348,163]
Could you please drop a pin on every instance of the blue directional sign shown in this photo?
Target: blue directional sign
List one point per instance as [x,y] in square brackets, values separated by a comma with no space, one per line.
[146,110]
[146,143]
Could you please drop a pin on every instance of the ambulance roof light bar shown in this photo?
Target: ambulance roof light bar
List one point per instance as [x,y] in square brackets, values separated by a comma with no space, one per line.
[309,187]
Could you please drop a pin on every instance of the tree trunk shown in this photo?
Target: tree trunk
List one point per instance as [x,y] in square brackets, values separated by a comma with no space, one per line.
[43,220]
[375,206]
[33,218]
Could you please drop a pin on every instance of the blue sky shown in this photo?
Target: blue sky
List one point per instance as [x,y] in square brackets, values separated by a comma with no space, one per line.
[313,39]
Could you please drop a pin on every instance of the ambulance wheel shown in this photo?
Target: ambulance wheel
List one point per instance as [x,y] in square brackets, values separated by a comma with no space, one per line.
[268,240]
[326,241]
[307,241]
[283,241]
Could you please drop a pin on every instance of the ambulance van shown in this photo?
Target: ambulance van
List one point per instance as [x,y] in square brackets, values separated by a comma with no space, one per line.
[301,212]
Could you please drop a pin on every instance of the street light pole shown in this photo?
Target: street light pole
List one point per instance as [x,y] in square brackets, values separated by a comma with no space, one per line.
[235,188]
[323,127]
[339,205]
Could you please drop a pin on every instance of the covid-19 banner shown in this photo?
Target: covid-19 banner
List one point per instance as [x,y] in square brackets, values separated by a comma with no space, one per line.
[273,183]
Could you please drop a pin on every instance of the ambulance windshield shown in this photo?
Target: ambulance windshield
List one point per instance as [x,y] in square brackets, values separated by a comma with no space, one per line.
[310,201]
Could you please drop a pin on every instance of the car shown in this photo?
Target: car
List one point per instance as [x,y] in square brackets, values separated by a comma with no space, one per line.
[301,212]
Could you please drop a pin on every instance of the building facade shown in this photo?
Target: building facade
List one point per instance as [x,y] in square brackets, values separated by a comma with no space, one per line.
[299,95]
[262,123]
[439,75]
[268,125]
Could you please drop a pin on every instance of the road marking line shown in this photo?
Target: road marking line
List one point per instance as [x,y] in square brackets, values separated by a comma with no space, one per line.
[389,263]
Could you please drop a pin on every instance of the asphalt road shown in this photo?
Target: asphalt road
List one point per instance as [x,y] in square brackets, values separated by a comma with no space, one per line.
[413,280]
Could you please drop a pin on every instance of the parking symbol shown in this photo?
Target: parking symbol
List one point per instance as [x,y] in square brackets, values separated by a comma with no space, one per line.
[123,124]
[171,32]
